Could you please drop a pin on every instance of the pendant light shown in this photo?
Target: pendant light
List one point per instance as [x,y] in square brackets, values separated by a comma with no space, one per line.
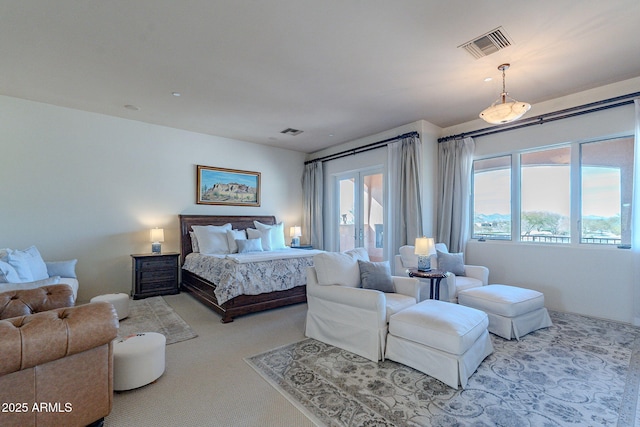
[502,111]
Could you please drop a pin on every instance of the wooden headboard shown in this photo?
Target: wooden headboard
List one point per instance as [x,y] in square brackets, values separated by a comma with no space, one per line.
[237,222]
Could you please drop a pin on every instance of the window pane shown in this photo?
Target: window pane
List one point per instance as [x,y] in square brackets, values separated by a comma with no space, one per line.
[545,196]
[606,169]
[492,198]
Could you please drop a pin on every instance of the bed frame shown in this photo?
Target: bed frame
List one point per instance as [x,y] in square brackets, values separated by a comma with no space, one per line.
[202,289]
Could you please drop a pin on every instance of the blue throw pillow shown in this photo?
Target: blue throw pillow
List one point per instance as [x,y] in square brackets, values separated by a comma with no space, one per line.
[376,275]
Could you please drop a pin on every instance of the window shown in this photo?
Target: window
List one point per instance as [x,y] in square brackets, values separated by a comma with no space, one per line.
[545,194]
[578,193]
[492,198]
[606,169]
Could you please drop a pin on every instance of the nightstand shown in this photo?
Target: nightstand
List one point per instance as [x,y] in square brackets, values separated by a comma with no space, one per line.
[155,274]
[302,247]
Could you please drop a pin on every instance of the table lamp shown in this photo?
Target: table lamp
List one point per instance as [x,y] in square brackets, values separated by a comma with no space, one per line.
[157,236]
[424,248]
[295,233]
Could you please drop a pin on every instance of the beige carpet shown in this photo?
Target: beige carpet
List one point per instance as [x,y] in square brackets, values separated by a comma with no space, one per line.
[207,382]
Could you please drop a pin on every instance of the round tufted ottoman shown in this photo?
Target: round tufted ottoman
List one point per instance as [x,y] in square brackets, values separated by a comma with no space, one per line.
[120,303]
[138,360]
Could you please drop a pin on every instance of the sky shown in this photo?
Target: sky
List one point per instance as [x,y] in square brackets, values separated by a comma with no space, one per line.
[547,188]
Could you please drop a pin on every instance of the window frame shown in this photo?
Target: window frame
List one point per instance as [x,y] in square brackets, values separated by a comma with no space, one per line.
[575,201]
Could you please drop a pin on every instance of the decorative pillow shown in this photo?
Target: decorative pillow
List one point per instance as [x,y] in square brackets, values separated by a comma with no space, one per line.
[194,242]
[249,245]
[264,235]
[212,239]
[232,236]
[376,275]
[451,262]
[8,273]
[277,234]
[62,268]
[340,268]
[28,264]
[409,258]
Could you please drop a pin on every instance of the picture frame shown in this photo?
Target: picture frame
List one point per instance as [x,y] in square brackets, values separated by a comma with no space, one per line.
[232,187]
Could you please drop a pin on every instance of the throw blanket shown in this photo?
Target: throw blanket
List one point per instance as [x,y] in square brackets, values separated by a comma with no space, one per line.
[272,255]
[250,278]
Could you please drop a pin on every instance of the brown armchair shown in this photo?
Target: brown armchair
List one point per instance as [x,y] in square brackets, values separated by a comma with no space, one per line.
[56,366]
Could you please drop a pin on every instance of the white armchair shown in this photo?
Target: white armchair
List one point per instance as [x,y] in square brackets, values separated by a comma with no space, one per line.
[474,275]
[353,318]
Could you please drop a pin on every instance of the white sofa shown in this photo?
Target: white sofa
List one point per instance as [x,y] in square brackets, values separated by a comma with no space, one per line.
[474,275]
[25,269]
[348,316]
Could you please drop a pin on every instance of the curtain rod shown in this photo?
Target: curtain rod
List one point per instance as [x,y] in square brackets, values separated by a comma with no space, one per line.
[363,148]
[579,110]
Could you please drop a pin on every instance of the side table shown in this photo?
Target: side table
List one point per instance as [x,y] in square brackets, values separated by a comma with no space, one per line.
[434,276]
[155,274]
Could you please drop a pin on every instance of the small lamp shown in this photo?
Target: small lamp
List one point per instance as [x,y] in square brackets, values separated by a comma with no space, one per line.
[424,248]
[157,236]
[295,233]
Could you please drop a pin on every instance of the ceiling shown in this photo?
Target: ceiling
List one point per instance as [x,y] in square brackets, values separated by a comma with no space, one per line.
[336,69]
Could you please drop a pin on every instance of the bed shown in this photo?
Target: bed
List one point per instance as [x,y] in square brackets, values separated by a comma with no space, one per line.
[209,293]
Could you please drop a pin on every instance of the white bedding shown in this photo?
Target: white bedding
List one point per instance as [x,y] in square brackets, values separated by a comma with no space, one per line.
[252,273]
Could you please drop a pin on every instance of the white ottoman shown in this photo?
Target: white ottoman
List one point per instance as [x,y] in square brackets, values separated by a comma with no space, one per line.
[120,303]
[138,360]
[513,312]
[444,340]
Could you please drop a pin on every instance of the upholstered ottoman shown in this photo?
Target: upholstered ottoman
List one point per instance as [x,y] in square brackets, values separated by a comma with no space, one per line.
[138,360]
[444,340]
[513,312]
[120,303]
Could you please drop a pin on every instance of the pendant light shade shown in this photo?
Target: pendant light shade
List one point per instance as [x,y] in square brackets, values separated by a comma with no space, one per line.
[505,109]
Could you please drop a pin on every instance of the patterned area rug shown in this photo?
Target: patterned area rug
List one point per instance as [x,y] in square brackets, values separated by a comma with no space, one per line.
[579,372]
[155,315]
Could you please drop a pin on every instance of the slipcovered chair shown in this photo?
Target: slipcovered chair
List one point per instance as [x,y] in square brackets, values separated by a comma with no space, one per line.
[344,309]
[460,276]
[55,354]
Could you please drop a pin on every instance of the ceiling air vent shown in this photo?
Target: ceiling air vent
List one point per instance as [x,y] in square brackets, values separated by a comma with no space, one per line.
[291,131]
[488,43]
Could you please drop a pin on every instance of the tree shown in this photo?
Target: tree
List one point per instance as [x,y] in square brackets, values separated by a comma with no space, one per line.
[540,221]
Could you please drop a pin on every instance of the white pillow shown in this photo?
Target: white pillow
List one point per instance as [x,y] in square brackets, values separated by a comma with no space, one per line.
[277,234]
[194,242]
[212,239]
[264,235]
[28,264]
[409,258]
[8,273]
[340,268]
[232,236]
[249,245]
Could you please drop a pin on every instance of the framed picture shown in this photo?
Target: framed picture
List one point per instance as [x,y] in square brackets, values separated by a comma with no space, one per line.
[219,186]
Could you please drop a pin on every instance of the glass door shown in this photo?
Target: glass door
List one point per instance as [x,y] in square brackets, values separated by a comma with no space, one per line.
[361,212]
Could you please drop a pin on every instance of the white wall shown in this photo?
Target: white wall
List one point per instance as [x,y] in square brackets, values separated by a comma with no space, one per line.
[581,279]
[89,186]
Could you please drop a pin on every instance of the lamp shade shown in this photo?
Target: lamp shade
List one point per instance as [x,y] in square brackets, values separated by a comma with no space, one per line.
[424,246]
[157,235]
[504,112]
[295,231]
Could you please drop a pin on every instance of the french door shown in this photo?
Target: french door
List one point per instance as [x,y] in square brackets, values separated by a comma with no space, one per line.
[360,214]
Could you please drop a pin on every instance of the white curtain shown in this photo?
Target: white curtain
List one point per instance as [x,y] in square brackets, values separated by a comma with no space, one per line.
[635,221]
[405,204]
[455,162]
[312,215]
